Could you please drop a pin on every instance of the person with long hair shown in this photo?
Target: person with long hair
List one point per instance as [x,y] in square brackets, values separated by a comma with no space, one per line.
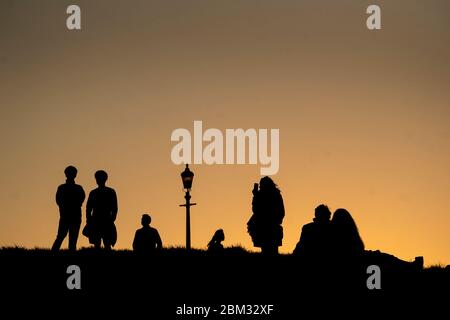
[215,245]
[346,238]
[264,226]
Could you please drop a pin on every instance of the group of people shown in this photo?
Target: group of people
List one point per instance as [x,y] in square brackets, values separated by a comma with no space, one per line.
[101,213]
[325,237]
[321,237]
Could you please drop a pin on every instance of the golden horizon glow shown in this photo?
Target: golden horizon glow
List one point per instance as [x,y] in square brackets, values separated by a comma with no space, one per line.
[364,116]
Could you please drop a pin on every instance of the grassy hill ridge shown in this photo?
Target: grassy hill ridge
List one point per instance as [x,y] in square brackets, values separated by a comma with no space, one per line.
[174,277]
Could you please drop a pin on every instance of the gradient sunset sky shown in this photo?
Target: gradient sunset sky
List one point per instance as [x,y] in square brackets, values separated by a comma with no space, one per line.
[364,116]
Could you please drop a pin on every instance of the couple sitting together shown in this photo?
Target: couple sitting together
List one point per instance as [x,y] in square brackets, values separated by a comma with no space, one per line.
[324,237]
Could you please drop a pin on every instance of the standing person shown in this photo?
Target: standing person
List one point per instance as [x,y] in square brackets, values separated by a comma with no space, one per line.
[268,212]
[69,198]
[101,213]
[146,239]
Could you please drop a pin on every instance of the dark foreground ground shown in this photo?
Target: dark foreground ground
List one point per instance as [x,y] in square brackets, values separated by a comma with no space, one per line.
[156,287]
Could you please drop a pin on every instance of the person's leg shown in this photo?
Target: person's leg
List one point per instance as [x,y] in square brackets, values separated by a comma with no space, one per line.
[269,250]
[107,244]
[106,236]
[275,250]
[106,239]
[95,233]
[74,231]
[63,228]
[97,242]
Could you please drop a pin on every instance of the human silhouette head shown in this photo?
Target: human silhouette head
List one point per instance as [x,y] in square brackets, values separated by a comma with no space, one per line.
[343,218]
[322,213]
[101,176]
[346,229]
[70,172]
[266,183]
[216,240]
[219,236]
[146,220]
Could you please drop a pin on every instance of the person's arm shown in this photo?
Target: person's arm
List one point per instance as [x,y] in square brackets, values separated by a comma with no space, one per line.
[114,207]
[158,241]
[135,241]
[256,204]
[304,238]
[82,195]
[282,213]
[58,197]
[89,208]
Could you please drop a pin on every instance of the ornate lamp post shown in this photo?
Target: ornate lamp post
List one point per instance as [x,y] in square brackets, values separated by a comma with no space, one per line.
[187,176]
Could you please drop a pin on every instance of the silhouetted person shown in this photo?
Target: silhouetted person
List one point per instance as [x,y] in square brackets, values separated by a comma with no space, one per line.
[146,239]
[215,245]
[69,197]
[268,212]
[346,239]
[101,212]
[315,239]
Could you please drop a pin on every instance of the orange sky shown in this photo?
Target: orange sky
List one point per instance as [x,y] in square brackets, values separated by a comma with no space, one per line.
[363,116]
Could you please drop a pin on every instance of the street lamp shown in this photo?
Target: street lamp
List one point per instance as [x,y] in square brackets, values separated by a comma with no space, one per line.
[187,176]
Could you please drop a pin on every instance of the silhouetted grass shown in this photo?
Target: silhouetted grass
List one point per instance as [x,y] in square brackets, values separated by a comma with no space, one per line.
[173,252]
[90,251]
[174,276]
